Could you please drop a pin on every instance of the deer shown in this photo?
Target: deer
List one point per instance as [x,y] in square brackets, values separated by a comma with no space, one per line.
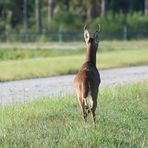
[87,80]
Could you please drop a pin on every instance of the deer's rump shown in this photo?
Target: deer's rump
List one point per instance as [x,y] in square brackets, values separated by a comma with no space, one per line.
[87,79]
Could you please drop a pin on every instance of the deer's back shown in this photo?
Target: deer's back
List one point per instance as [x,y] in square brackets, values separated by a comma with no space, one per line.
[88,73]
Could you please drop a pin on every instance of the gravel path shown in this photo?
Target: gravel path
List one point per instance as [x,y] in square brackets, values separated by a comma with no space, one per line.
[27,90]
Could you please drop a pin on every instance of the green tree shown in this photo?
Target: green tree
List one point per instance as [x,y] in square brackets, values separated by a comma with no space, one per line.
[39,16]
[25,15]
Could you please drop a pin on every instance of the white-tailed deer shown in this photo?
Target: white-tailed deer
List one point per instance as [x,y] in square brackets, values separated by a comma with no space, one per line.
[87,80]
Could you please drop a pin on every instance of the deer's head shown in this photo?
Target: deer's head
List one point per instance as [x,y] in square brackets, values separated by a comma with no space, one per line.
[92,38]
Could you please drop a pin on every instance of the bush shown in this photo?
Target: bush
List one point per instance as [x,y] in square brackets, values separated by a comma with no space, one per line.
[137,23]
[112,25]
[2,26]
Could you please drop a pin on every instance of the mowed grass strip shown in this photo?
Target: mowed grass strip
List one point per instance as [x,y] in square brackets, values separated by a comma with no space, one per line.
[104,45]
[14,51]
[122,117]
[59,65]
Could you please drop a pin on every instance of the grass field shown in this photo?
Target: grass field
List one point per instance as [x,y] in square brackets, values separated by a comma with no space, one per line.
[13,51]
[51,66]
[19,61]
[122,117]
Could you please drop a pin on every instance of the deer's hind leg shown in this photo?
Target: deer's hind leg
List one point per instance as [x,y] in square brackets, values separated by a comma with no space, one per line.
[93,103]
[81,101]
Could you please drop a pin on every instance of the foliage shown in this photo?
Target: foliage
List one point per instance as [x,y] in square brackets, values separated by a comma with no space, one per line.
[137,23]
[2,26]
[114,23]
[122,117]
[72,16]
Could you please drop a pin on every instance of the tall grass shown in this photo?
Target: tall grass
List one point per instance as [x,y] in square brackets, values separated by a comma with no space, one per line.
[122,117]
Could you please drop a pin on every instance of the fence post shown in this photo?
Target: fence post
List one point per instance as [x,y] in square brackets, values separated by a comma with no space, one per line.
[125,32]
[60,33]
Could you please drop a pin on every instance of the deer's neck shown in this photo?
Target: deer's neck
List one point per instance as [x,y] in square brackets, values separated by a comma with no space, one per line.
[91,54]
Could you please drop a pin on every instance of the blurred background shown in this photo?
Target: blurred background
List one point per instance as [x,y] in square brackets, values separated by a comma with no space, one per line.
[63,20]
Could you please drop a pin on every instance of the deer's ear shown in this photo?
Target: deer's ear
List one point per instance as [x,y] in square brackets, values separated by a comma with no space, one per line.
[96,36]
[86,36]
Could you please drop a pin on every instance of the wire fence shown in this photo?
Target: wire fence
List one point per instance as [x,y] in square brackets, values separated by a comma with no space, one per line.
[68,36]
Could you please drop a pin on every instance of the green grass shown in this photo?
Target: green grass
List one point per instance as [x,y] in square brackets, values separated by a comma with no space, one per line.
[123,45]
[122,117]
[13,51]
[51,66]
[19,62]
[122,58]
[17,54]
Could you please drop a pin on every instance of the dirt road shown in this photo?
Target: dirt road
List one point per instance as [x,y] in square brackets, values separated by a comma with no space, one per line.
[27,90]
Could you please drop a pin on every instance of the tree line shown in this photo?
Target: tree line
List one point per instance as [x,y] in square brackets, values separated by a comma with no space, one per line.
[47,15]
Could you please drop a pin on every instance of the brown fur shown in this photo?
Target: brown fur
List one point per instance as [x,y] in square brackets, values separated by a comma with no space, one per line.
[87,80]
